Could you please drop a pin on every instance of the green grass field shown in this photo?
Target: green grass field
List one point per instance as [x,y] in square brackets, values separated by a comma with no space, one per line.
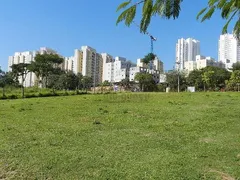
[121,136]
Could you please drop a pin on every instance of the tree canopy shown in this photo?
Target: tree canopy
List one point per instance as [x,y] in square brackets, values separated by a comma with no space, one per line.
[230,10]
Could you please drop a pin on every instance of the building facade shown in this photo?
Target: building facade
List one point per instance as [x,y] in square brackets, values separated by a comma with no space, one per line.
[115,69]
[108,67]
[68,64]
[186,50]
[156,75]
[27,57]
[88,62]
[202,62]
[156,64]
[228,50]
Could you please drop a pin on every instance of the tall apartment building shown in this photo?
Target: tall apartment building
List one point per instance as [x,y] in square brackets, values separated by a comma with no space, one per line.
[27,57]
[202,62]
[108,67]
[156,64]
[115,70]
[156,70]
[228,50]
[68,64]
[88,62]
[186,50]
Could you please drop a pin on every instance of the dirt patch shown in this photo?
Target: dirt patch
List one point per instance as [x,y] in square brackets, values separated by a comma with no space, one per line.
[223,175]
[238,156]
[207,140]
[6,174]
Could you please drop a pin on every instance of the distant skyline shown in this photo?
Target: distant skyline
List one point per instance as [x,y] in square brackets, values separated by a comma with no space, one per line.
[67,25]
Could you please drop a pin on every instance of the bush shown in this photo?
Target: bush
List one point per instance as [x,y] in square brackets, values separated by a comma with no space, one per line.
[12,97]
[47,94]
[30,96]
[3,97]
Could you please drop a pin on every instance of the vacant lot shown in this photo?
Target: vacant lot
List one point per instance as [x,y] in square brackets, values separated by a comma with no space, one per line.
[121,136]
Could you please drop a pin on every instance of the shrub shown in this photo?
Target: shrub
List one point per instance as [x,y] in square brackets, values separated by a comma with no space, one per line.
[3,97]
[12,96]
[30,96]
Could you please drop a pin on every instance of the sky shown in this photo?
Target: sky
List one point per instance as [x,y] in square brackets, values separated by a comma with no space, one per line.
[65,25]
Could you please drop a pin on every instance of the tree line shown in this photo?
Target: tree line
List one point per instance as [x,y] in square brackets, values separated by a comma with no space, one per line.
[206,79]
[48,72]
[47,68]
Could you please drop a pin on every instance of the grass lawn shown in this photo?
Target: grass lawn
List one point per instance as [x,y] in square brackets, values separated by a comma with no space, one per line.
[121,136]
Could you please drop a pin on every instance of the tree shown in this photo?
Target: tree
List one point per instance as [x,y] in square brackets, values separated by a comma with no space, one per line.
[195,79]
[87,82]
[54,83]
[68,81]
[106,83]
[44,65]
[79,81]
[234,80]
[5,79]
[230,10]
[21,70]
[146,82]
[218,78]
[208,79]
[235,66]
[125,83]
[172,80]
[148,58]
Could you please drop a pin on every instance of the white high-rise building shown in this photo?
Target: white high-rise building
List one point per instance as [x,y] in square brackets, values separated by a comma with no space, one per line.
[68,63]
[27,57]
[186,50]
[228,50]
[156,64]
[108,67]
[202,62]
[121,69]
[115,70]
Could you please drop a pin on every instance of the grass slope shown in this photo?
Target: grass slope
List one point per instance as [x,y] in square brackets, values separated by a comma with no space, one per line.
[121,136]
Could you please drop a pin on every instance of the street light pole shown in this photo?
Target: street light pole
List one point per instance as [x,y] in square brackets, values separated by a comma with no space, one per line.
[178,73]
[94,76]
[178,83]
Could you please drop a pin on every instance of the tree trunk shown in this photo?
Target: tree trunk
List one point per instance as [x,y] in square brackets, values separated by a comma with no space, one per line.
[22,91]
[3,92]
[22,87]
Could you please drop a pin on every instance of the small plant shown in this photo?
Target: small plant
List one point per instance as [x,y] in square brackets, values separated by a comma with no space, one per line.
[96,122]
[22,109]
[105,111]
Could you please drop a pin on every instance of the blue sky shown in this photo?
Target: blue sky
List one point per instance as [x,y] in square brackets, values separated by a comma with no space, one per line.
[66,25]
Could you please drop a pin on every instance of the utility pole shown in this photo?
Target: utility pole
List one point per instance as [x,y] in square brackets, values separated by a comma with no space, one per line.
[178,73]
[94,75]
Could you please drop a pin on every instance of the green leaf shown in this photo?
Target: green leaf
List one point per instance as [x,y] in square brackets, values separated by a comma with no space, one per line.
[201,12]
[208,14]
[224,30]
[123,5]
[212,2]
